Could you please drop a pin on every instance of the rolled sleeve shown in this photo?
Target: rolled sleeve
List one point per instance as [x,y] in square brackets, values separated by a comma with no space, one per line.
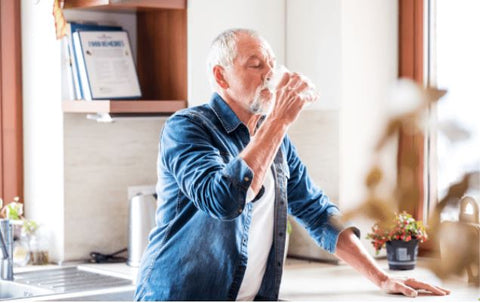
[331,230]
[239,173]
[251,195]
[216,186]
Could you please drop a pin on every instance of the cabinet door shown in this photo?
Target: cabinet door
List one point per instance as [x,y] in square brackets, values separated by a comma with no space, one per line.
[206,19]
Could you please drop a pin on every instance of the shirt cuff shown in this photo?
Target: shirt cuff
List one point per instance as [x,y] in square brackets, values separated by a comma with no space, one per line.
[332,230]
[251,195]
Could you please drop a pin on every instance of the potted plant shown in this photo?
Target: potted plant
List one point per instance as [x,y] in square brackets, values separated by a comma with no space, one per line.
[401,236]
[29,245]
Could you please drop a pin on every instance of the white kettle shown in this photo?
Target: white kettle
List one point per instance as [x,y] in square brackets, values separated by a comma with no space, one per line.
[141,222]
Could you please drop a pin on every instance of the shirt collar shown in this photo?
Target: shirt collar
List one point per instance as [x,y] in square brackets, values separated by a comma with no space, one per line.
[225,114]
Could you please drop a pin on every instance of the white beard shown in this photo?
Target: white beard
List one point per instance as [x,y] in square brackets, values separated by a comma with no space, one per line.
[259,105]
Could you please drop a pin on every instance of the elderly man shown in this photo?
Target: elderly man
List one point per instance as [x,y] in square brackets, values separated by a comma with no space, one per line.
[227,175]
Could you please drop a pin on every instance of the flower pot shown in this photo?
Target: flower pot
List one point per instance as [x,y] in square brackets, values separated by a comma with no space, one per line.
[402,255]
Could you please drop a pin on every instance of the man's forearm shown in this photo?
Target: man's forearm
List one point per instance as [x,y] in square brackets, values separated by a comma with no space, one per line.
[261,150]
[351,250]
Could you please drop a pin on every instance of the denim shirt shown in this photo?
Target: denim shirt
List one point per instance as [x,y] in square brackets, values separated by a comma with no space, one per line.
[198,249]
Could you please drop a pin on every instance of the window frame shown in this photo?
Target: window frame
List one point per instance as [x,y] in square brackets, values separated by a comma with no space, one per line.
[411,65]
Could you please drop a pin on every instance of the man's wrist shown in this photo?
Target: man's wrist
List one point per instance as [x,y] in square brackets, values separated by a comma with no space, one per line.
[381,278]
[276,124]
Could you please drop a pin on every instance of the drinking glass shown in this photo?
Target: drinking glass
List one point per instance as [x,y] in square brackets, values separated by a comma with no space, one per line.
[309,94]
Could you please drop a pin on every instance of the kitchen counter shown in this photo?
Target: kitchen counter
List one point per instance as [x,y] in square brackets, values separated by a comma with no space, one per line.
[307,281]
[315,281]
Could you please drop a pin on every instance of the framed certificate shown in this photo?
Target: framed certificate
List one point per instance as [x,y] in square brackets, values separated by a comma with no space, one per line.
[106,66]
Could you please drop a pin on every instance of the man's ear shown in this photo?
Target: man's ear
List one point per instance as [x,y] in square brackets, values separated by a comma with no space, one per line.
[218,73]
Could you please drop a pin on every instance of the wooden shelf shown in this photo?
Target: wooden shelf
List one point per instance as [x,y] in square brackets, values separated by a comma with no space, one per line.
[126,4]
[161,57]
[124,106]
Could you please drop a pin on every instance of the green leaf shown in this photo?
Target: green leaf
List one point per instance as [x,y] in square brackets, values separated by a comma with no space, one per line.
[30,227]
[14,211]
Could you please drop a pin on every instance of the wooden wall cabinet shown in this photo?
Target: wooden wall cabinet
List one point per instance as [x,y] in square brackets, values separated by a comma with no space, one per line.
[161,56]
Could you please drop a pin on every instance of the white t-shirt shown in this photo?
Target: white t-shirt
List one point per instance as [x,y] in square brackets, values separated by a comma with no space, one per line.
[260,239]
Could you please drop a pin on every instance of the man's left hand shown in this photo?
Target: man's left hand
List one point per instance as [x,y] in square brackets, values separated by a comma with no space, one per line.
[409,287]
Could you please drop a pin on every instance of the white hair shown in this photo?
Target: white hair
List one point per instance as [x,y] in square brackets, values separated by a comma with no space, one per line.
[223,50]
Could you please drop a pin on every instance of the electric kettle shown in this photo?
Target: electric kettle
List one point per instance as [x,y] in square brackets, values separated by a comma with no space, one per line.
[141,221]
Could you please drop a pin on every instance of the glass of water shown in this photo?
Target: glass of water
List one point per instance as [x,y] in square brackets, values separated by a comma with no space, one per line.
[309,94]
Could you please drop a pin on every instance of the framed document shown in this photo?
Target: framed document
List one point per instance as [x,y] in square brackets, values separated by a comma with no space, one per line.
[82,26]
[106,66]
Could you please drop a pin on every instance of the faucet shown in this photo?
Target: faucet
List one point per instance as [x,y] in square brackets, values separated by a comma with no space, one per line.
[6,244]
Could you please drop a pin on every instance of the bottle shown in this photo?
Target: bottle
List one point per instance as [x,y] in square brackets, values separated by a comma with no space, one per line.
[21,252]
[36,238]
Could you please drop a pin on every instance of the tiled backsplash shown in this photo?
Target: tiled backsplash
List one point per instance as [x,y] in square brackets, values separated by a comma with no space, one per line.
[101,161]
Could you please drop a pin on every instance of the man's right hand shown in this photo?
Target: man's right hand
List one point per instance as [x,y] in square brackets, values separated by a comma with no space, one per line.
[288,102]
[260,152]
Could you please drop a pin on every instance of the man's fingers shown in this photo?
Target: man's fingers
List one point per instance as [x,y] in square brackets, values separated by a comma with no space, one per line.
[406,290]
[284,80]
[293,81]
[295,84]
[445,290]
[409,287]
[421,285]
[303,85]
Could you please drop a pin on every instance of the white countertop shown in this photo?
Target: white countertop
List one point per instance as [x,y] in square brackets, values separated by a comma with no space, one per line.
[307,281]
[315,281]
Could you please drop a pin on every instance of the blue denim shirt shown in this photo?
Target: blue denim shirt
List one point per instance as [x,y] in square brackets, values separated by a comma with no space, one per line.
[198,249]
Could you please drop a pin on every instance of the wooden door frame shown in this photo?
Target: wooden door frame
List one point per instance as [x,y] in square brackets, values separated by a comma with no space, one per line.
[411,44]
[11,110]
[411,65]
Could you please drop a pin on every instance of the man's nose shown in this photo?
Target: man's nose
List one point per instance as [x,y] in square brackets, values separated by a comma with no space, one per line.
[269,74]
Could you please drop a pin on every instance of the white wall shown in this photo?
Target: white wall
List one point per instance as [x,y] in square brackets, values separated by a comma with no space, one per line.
[42,121]
[314,47]
[369,68]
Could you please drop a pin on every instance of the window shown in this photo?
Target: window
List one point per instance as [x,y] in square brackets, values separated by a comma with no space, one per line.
[454,55]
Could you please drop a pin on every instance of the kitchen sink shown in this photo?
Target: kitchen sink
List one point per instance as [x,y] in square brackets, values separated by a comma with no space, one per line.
[14,290]
[70,279]
[67,283]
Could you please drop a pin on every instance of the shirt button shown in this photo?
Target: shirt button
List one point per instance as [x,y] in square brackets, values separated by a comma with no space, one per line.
[280,234]
[240,210]
[246,179]
[279,264]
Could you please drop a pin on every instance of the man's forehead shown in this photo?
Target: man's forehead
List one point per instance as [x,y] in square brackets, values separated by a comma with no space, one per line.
[251,47]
